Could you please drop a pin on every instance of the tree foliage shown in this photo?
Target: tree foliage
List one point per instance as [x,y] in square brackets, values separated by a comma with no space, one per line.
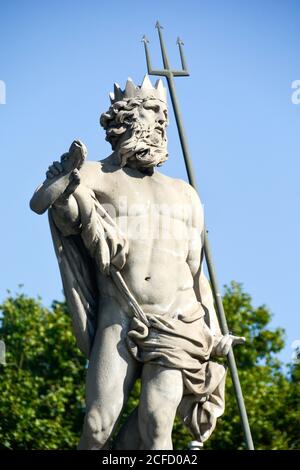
[42,383]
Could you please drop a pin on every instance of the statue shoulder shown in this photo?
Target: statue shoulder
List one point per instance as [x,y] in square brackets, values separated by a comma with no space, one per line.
[91,173]
[185,191]
[97,174]
[188,190]
[190,195]
[89,166]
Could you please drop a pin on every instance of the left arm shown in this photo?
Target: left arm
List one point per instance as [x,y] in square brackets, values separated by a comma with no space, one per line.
[195,261]
[222,343]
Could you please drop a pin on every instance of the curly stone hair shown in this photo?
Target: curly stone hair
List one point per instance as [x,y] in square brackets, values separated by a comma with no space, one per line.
[119,117]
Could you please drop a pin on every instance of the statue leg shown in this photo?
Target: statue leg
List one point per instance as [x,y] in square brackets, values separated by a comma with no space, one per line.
[162,391]
[111,375]
[128,437]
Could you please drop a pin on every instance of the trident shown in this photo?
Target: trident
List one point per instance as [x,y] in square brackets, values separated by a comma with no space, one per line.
[170,74]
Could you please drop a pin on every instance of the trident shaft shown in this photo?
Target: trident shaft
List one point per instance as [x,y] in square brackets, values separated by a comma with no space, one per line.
[170,74]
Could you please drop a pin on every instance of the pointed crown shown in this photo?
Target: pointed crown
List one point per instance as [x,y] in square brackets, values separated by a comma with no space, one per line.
[146,90]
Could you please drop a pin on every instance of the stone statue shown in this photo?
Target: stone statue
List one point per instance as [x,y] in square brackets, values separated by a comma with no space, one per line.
[129,243]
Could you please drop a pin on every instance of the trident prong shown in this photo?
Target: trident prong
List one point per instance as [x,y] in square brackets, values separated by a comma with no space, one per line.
[170,74]
[180,43]
[166,71]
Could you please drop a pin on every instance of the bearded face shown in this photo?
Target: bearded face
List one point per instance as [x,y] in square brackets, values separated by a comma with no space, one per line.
[136,130]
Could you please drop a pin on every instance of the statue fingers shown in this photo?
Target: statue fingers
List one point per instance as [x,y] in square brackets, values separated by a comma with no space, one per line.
[64,156]
[49,175]
[64,160]
[53,168]
[227,346]
[223,346]
[58,166]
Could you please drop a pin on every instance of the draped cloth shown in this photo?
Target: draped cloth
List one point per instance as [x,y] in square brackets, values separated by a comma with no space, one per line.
[98,244]
[180,342]
[185,344]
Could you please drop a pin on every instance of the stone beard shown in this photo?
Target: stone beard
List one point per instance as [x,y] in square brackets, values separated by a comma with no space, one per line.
[141,145]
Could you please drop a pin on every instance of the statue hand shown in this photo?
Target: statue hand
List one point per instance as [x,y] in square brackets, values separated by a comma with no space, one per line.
[69,164]
[54,170]
[62,179]
[74,159]
[224,344]
[74,180]
[69,161]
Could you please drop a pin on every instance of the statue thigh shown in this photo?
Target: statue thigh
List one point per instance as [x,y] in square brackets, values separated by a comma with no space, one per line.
[162,391]
[111,374]
[150,424]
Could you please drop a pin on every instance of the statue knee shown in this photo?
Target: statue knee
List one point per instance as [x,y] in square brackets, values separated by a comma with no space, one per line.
[156,431]
[98,427]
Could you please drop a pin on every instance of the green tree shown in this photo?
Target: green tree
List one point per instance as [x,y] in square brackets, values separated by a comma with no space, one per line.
[291,418]
[42,383]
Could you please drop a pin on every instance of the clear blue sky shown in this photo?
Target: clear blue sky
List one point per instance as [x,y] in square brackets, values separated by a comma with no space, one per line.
[59,60]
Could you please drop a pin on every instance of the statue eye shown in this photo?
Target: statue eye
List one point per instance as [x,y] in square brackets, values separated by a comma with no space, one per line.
[153,107]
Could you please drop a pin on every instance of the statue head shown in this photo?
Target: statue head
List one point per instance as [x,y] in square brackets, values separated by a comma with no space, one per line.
[135,124]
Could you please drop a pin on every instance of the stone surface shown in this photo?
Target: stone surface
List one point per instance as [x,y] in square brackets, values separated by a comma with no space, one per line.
[129,242]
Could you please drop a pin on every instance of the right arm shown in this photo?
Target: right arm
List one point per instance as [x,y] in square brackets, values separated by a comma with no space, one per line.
[64,210]
[222,343]
[60,179]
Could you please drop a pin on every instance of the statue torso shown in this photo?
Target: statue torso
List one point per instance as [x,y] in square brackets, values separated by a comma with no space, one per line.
[154,212]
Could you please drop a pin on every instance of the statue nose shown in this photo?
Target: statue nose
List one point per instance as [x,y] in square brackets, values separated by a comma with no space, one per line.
[160,117]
